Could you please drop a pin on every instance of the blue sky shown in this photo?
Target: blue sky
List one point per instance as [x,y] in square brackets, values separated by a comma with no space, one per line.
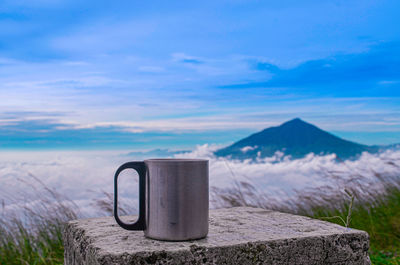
[165,74]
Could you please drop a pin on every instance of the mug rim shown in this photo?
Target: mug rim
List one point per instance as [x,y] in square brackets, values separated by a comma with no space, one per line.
[166,160]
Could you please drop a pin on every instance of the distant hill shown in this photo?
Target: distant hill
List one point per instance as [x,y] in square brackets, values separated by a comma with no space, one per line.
[296,138]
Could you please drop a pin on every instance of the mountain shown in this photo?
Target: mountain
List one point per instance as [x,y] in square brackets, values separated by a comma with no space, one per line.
[296,138]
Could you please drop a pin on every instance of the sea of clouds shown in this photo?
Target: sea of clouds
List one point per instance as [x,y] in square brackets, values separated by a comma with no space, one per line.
[86,176]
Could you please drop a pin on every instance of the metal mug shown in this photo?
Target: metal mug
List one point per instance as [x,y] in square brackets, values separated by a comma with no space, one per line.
[173,198]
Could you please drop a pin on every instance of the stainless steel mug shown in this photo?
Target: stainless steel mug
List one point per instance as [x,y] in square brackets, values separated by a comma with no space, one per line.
[173,198]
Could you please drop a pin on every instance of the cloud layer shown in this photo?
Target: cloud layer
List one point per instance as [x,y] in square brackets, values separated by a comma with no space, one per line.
[83,176]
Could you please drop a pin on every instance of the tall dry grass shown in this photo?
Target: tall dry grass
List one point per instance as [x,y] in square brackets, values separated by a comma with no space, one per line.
[365,203]
[32,222]
[31,229]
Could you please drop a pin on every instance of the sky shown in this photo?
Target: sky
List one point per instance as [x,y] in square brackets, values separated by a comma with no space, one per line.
[174,74]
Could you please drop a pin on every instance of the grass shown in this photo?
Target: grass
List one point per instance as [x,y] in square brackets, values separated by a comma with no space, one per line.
[372,205]
[23,247]
[34,235]
[380,218]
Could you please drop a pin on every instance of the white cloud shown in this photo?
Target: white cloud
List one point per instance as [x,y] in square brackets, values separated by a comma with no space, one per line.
[165,125]
[83,175]
[281,173]
[248,148]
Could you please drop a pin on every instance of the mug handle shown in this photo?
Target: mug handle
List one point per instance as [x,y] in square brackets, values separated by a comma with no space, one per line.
[140,168]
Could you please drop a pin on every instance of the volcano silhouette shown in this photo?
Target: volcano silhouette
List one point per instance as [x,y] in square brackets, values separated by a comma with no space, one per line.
[296,138]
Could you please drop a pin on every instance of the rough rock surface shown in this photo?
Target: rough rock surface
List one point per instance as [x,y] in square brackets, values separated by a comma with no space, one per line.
[241,235]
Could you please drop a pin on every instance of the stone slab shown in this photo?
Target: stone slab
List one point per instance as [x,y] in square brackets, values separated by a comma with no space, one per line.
[240,235]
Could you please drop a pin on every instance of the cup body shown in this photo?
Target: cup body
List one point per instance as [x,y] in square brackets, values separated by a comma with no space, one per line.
[177,199]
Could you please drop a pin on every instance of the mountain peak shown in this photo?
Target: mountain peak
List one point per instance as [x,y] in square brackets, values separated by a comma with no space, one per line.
[294,122]
[294,137]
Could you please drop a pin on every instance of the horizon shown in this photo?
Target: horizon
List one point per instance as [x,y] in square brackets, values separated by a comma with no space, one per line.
[125,147]
[136,76]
